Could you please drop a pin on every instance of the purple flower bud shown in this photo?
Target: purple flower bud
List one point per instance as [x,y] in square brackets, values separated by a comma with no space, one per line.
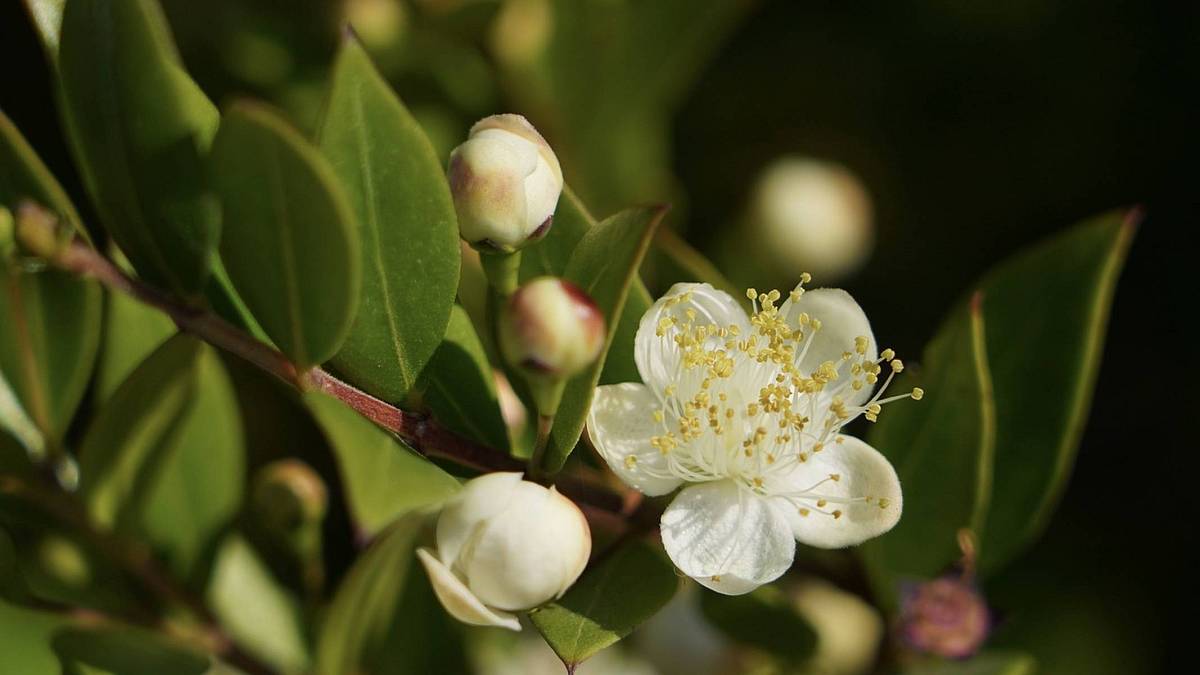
[947,617]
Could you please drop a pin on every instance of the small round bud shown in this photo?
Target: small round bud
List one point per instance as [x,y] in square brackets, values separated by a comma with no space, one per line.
[505,545]
[506,181]
[288,495]
[849,630]
[550,327]
[946,617]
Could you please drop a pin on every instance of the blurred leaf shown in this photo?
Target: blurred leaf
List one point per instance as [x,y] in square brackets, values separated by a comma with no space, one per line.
[47,22]
[763,619]
[604,265]
[256,611]
[942,447]
[1046,313]
[132,331]
[292,246]
[458,386]
[383,478]
[164,458]
[124,651]
[616,594]
[25,640]
[12,586]
[987,663]
[140,129]
[385,619]
[408,229]
[24,176]
[14,459]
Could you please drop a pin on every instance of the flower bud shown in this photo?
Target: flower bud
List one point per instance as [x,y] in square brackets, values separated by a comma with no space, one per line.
[947,617]
[289,495]
[505,181]
[551,327]
[505,545]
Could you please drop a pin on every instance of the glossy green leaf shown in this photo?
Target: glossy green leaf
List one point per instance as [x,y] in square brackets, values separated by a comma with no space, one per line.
[383,478]
[942,448]
[140,129]
[987,663]
[398,189]
[458,386]
[124,651]
[1046,313]
[604,264]
[25,640]
[384,619]
[132,331]
[616,594]
[291,247]
[763,619]
[270,627]
[164,458]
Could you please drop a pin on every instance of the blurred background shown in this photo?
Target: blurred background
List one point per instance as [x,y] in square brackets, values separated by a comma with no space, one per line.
[897,149]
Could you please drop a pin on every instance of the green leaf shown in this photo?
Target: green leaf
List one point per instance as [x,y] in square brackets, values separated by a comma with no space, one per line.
[987,663]
[942,447]
[385,619]
[23,175]
[604,264]
[25,640]
[407,225]
[458,386]
[617,593]
[14,459]
[269,627]
[46,16]
[164,459]
[291,247]
[763,619]
[383,478]
[124,651]
[1046,313]
[140,129]
[132,331]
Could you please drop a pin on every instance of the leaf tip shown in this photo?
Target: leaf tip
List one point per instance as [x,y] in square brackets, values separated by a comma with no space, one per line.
[350,35]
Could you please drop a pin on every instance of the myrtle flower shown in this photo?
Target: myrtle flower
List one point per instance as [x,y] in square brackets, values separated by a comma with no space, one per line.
[747,413]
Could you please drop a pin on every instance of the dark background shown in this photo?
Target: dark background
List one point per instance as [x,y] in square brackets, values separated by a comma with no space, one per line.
[978,127]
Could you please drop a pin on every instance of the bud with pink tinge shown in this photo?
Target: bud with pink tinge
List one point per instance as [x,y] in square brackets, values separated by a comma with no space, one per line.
[551,327]
[506,181]
[947,617]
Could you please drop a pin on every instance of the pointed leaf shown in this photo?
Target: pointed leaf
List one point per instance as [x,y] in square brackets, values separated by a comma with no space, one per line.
[604,265]
[291,247]
[614,596]
[458,386]
[140,129]
[383,479]
[763,619]
[23,175]
[408,229]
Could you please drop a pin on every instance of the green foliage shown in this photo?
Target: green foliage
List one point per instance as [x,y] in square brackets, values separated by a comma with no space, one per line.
[24,176]
[124,651]
[292,248]
[140,129]
[385,618]
[617,593]
[383,478]
[987,663]
[604,264]
[763,619]
[25,640]
[132,331]
[408,229]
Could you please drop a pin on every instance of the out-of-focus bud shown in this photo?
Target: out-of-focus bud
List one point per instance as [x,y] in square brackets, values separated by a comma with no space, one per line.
[849,631]
[289,495]
[506,181]
[505,545]
[551,327]
[38,231]
[813,215]
[947,617]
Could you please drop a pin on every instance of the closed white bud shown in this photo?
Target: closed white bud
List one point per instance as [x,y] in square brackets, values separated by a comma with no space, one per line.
[551,327]
[506,181]
[505,545]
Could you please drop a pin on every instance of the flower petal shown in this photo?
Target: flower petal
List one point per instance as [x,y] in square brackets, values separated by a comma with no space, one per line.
[458,599]
[842,320]
[862,472]
[620,424]
[480,499]
[726,537]
[657,356]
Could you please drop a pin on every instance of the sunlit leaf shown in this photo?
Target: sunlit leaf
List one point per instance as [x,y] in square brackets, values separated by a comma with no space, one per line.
[292,247]
[614,596]
[409,234]
[25,640]
[132,331]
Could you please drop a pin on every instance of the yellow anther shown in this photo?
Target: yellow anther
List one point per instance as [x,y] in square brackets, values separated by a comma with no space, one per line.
[837,514]
[821,503]
[658,415]
[751,293]
[883,503]
[918,393]
[835,477]
[897,365]
[805,277]
[804,512]
[630,461]
[888,354]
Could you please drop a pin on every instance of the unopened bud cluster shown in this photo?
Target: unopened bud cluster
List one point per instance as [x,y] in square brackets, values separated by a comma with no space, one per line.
[505,545]
[505,180]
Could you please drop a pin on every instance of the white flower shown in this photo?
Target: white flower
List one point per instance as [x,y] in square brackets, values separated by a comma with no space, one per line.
[748,412]
[505,545]
[505,180]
